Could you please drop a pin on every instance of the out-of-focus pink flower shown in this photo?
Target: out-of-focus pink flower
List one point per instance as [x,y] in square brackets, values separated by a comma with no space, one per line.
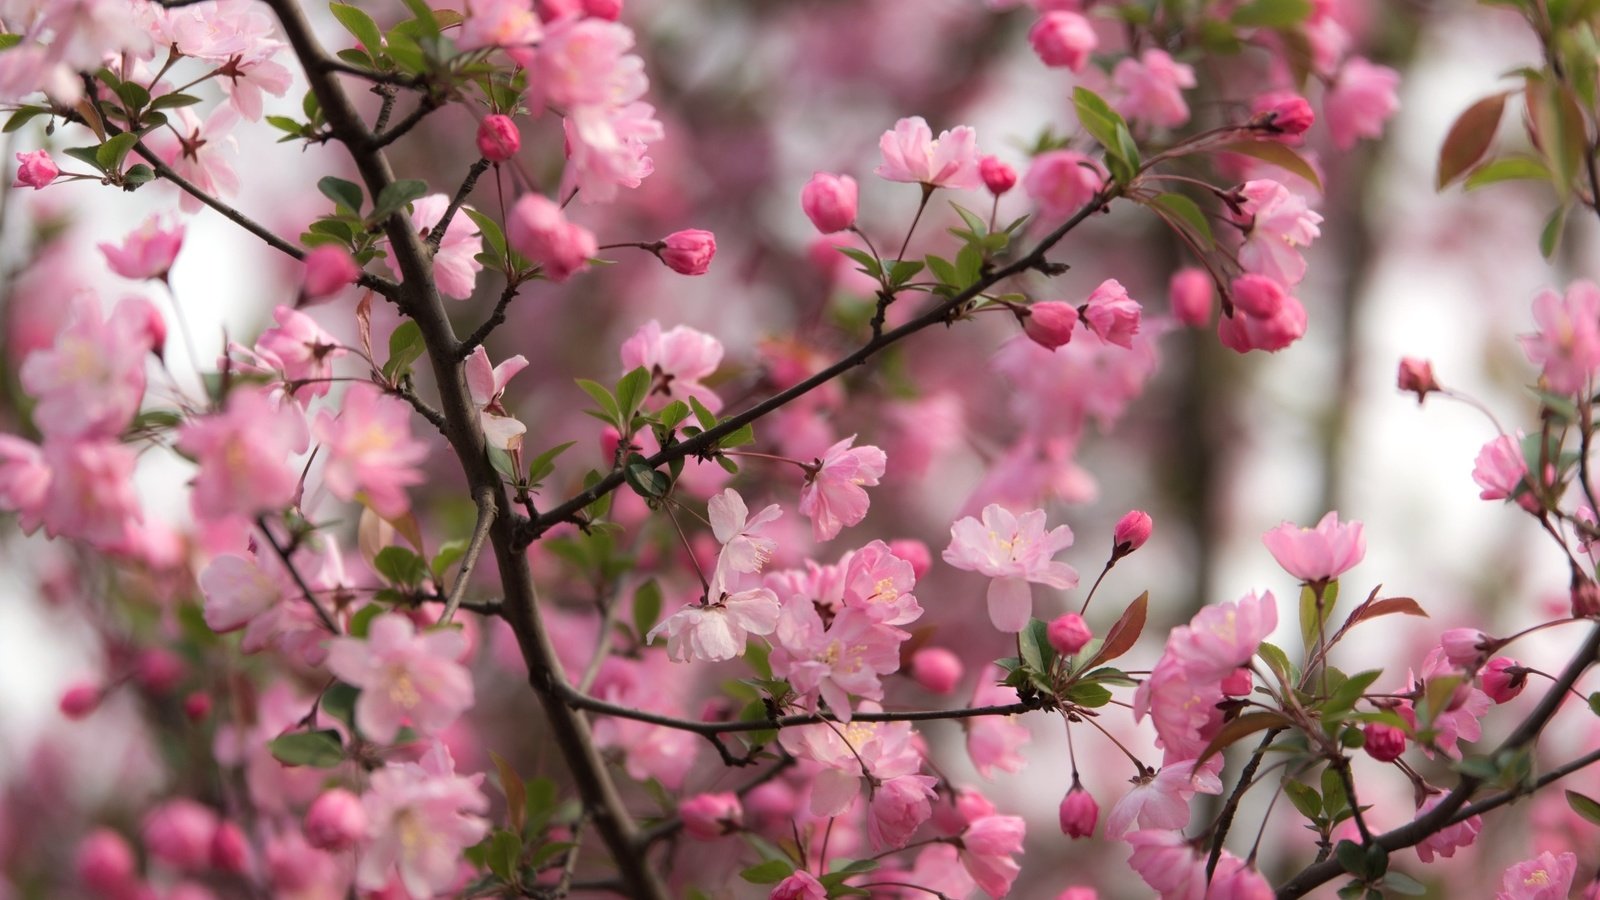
[1078,812]
[830,661]
[829,201]
[1500,468]
[1361,100]
[1447,840]
[1160,800]
[994,742]
[105,864]
[1416,375]
[1465,647]
[1068,633]
[455,263]
[90,495]
[230,850]
[507,24]
[236,590]
[1384,743]
[1192,296]
[1567,344]
[1169,864]
[997,176]
[899,807]
[1236,879]
[498,138]
[1078,893]
[707,817]
[146,252]
[179,833]
[1013,551]
[1545,877]
[1282,112]
[80,699]
[91,381]
[1132,531]
[246,455]
[1503,678]
[421,816]
[911,154]
[1265,316]
[677,359]
[1317,554]
[799,886]
[689,252]
[1278,222]
[369,449]
[24,481]
[35,169]
[719,630]
[329,270]
[1063,40]
[201,153]
[987,848]
[1112,314]
[834,496]
[936,669]
[487,385]
[406,678]
[1049,323]
[1060,182]
[336,821]
[1151,88]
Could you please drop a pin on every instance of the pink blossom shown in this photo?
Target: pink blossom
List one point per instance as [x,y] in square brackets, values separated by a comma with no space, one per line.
[1078,812]
[369,449]
[1192,296]
[1160,800]
[834,660]
[834,495]
[987,848]
[847,754]
[936,670]
[455,263]
[799,886]
[90,495]
[1447,840]
[1503,679]
[237,589]
[899,807]
[1169,864]
[91,382]
[179,833]
[505,24]
[246,455]
[1063,40]
[1361,99]
[1282,112]
[586,63]
[1068,633]
[1416,375]
[301,350]
[329,270]
[1265,316]
[1384,743]
[879,584]
[336,821]
[1239,683]
[1545,877]
[1317,554]
[230,850]
[1465,647]
[498,138]
[911,154]
[1112,314]
[1049,323]
[707,817]
[421,816]
[80,699]
[997,176]
[1060,182]
[1223,636]
[718,631]
[1567,344]
[1277,223]
[487,387]
[689,252]
[744,549]
[1132,530]
[1014,552]
[35,170]
[994,742]
[105,864]
[1235,879]
[1151,88]
[829,201]
[199,153]
[676,359]
[606,149]
[24,481]
[406,678]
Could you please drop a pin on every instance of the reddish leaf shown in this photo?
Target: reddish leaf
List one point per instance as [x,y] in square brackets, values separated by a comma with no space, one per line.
[1278,155]
[1123,635]
[1470,138]
[1247,724]
[1387,606]
[364,323]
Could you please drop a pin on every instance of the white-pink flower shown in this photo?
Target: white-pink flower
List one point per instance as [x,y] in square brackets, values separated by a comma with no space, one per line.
[676,359]
[911,154]
[237,589]
[146,252]
[1278,223]
[91,382]
[369,449]
[405,678]
[1161,799]
[718,630]
[1567,344]
[1014,551]
[487,386]
[744,549]
[1152,88]
[834,495]
[301,350]
[455,263]
[246,455]
[420,817]
[1317,554]
[1545,877]
[846,656]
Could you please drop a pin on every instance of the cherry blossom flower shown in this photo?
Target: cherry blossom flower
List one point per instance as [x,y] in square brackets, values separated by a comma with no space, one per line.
[1078,812]
[1063,40]
[421,816]
[487,386]
[179,833]
[1544,877]
[1049,323]
[1317,554]
[1112,314]
[1447,840]
[1192,295]
[911,154]
[498,138]
[1361,99]
[997,176]
[800,885]
[406,678]
[744,549]
[707,817]
[987,848]
[718,630]
[91,382]
[936,670]
[538,229]
[1500,468]
[1222,637]
[1416,376]
[1151,88]
[1283,112]
[1265,316]
[1169,864]
[606,149]
[1014,552]
[1384,743]
[201,154]
[585,62]
[834,495]
[246,455]
[829,201]
[1068,633]
[1160,800]
[689,252]
[1060,182]
[369,449]
[329,269]
[677,359]
[834,660]
[90,494]
[878,583]
[898,808]
[35,169]
[507,24]
[455,263]
[1132,530]
[336,821]
[1236,879]
[1503,678]
[24,481]
[301,350]
[1277,223]
[1567,345]
[994,742]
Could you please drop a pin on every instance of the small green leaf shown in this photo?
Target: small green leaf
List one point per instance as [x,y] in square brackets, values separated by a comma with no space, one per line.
[770,872]
[1238,728]
[602,396]
[400,566]
[1315,609]
[1188,213]
[362,620]
[1351,858]
[1271,14]
[542,465]
[1305,798]
[339,700]
[1097,117]
[24,114]
[405,347]
[1550,235]
[318,749]
[173,101]
[1507,168]
[344,193]
[744,434]
[1584,806]
[868,262]
[1088,694]
[110,154]
[449,554]
[646,607]
[395,196]
[359,24]
[903,270]
[1594,703]
[631,391]
[1035,646]
[645,481]
[1279,155]
[505,854]
[1344,698]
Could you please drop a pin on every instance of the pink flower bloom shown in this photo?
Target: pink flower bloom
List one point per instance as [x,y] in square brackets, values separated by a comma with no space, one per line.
[936,670]
[336,821]
[1167,862]
[1068,633]
[1503,678]
[997,176]
[1132,531]
[1384,743]
[606,149]
[1500,468]
[1160,800]
[846,656]
[799,886]
[1049,323]
[1224,636]
[707,817]
[369,449]
[301,350]
[911,154]
[829,201]
[498,138]
[179,833]
[35,170]
[1464,647]
[421,816]
[1063,40]
[24,481]
[1112,314]
[1278,223]
[994,742]
[90,495]
[834,495]
[689,252]
[899,807]
[91,382]
[406,678]
[1545,877]
[677,359]
[586,62]
[1078,812]
[1446,841]
[987,848]
[744,549]
[237,589]
[505,24]
[1014,552]
[878,583]
[1237,880]
[329,270]
[246,455]
[1361,100]
[1567,344]
[719,630]
[1317,554]
[199,153]
[1152,88]
[1060,182]
[455,263]
[1265,316]
[1192,296]
[487,387]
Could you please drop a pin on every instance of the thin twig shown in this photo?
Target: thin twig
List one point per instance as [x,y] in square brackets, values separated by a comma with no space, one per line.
[437,234]
[299,580]
[405,392]
[486,514]
[426,107]
[495,320]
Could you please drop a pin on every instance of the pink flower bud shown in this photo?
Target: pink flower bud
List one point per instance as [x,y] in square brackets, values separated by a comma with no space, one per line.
[610,10]
[1416,375]
[914,552]
[158,670]
[79,700]
[1464,647]
[498,138]
[329,270]
[1265,316]
[230,852]
[711,816]
[997,176]
[1078,812]
[179,833]
[1503,678]
[801,885]
[689,252]
[1132,531]
[336,821]
[1068,634]
[1063,40]
[147,252]
[537,228]
[1192,297]
[829,201]
[1049,323]
[1384,743]
[1239,683]
[105,864]
[35,170]
[1111,314]
[197,706]
[936,669]
[774,801]
[1282,112]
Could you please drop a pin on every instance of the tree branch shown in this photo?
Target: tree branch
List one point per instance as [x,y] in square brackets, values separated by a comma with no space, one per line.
[486,516]
[495,320]
[437,234]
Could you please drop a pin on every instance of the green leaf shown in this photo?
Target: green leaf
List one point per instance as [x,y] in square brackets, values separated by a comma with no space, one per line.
[400,566]
[1558,130]
[1238,728]
[1271,14]
[1584,806]
[344,193]
[137,174]
[1277,154]
[1187,213]
[110,154]
[173,101]
[744,434]
[943,270]
[318,749]
[362,620]
[631,391]
[542,465]
[405,347]
[7,41]
[89,155]
[1305,798]
[359,24]
[1550,235]
[602,396]
[770,872]
[1507,168]
[903,270]
[1088,694]
[1035,646]
[1351,858]
[1594,703]
[1469,138]
[24,114]
[1403,884]
[449,554]
[869,263]
[1314,618]
[505,854]
[339,701]
[1344,698]
[395,196]
[489,228]
[646,607]
[645,481]
[1334,799]
[1097,117]
[133,95]
[1278,662]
